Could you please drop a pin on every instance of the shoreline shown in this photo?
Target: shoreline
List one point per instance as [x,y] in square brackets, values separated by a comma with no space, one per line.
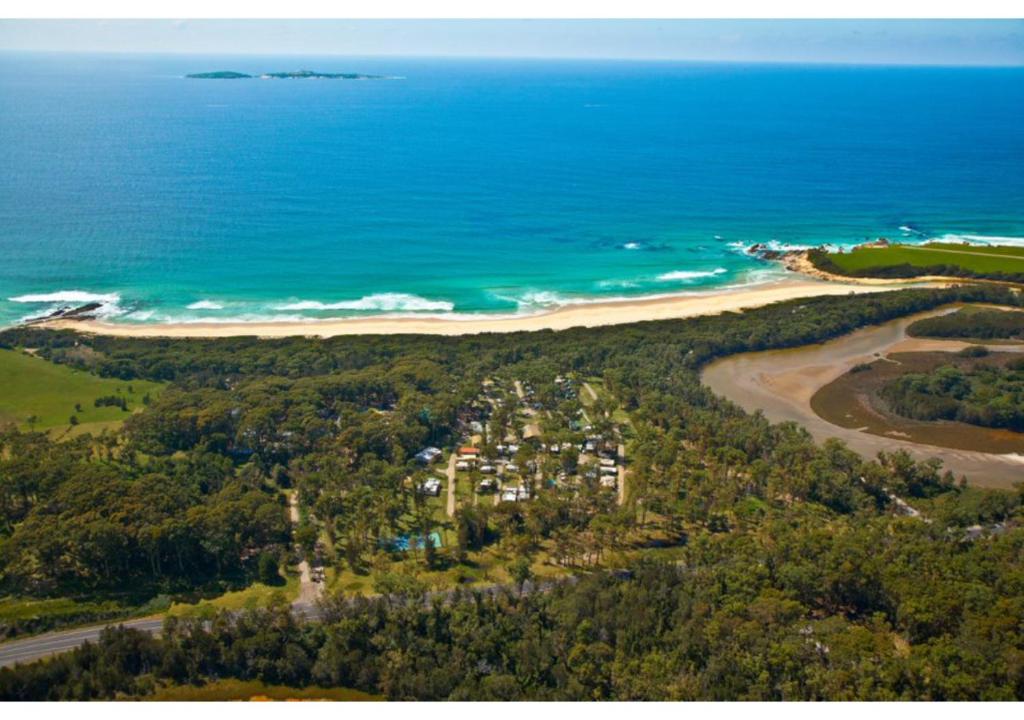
[612,312]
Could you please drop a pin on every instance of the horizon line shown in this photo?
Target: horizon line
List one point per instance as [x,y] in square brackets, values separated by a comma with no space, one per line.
[576,58]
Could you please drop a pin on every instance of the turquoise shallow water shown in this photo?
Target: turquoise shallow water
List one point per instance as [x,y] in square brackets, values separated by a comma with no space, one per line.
[472,186]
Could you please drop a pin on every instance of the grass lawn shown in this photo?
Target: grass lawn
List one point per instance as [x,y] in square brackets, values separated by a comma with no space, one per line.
[20,616]
[980,260]
[49,392]
[619,416]
[222,690]
[488,566]
[256,595]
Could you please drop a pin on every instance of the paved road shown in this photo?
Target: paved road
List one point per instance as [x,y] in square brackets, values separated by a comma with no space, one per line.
[40,646]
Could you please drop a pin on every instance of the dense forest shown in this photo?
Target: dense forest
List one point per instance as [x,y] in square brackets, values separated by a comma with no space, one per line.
[986,395]
[975,325]
[798,573]
[786,609]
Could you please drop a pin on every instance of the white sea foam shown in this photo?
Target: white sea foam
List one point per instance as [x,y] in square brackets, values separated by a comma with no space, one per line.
[618,283]
[542,298]
[63,299]
[972,239]
[80,297]
[685,275]
[632,246]
[141,315]
[205,305]
[781,247]
[384,302]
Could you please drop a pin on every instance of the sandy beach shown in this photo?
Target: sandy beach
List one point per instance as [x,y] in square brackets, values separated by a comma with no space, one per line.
[581,315]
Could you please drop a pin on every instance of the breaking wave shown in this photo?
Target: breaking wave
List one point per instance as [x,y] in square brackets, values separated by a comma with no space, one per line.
[618,283]
[205,305]
[686,275]
[385,302]
[67,299]
[972,239]
[80,297]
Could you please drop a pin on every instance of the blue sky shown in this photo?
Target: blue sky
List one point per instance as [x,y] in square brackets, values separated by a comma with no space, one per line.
[942,42]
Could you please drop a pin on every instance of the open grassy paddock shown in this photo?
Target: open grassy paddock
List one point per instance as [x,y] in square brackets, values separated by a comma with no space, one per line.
[39,394]
[979,260]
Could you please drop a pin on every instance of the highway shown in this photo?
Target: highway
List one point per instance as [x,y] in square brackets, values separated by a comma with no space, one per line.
[52,643]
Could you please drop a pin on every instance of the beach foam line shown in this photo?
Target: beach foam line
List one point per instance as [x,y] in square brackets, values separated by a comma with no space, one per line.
[624,284]
[690,274]
[973,239]
[205,305]
[80,297]
[64,299]
[383,302]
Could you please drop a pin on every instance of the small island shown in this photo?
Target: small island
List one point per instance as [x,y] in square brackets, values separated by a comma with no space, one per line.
[219,75]
[293,75]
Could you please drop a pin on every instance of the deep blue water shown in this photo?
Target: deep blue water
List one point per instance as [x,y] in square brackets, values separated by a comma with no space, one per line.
[471,186]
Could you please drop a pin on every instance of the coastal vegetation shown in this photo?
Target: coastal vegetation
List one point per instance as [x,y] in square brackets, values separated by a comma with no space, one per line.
[972,323]
[946,399]
[984,394]
[941,259]
[226,690]
[734,558]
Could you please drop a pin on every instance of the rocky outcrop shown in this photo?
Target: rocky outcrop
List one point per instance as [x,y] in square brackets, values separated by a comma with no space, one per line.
[82,312]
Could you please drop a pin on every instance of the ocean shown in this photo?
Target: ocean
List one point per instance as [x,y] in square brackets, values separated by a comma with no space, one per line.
[472,186]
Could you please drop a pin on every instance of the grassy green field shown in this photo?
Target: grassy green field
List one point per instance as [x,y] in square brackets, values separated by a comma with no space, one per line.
[976,259]
[33,387]
[31,615]
[255,596]
[254,690]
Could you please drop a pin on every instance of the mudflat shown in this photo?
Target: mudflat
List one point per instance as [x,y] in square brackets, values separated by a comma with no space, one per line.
[781,383]
[853,400]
